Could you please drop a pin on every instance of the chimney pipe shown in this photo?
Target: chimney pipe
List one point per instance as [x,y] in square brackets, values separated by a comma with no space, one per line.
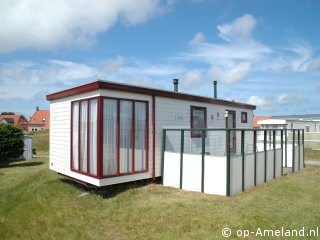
[175,85]
[37,108]
[215,89]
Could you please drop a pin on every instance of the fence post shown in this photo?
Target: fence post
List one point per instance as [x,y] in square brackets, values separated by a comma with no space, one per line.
[202,159]
[274,153]
[228,163]
[286,152]
[265,154]
[162,153]
[303,147]
[293,143]
[281,152]
[243,160]
[181,157]
[255,156]
[299,149]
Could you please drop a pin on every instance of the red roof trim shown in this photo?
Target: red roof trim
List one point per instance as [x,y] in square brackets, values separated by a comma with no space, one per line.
[142,90]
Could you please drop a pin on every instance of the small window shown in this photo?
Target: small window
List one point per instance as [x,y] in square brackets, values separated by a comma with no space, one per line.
[307,128]
[244,117]
[198,120]
[43,119]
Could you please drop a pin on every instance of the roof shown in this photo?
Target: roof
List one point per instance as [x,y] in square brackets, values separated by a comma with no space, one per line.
[99,84]
[272,122]
[258,118]
[11,118]
[41,117]
[298,117]
[8,120]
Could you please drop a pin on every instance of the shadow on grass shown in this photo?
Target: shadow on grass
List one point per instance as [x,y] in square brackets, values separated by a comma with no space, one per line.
[112,190]
[16,163]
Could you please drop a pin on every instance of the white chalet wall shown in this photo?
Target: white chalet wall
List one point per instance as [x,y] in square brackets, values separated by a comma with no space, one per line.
[60,140]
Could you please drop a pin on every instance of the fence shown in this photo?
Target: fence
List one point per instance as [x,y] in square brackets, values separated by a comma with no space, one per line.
[228,161]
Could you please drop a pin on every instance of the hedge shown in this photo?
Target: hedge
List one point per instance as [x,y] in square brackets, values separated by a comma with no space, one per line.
[11,141]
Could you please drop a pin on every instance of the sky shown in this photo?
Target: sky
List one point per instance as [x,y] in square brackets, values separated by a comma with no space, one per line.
[262,52]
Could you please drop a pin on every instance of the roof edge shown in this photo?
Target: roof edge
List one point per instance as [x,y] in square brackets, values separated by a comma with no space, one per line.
[99,84]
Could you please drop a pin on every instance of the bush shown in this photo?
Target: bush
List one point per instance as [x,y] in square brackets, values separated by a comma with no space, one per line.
[11,141]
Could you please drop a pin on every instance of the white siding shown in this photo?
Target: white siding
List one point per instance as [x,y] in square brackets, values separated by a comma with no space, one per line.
[173,113]
[60,125]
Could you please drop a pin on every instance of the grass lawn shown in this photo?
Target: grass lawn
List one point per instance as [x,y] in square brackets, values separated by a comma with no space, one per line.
[37,204]
[40,141]
[311,154]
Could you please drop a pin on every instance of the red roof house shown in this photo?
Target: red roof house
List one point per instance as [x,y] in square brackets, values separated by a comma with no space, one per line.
[19,120]
[40,121]
[258,118]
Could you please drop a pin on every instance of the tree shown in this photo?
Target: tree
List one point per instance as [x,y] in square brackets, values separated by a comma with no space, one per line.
[7,113]
[11,141]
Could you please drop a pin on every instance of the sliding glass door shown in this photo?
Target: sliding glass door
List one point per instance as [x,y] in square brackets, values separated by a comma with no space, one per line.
[140,153]
[84,136]
[110,111]
[109,136]
[124,136]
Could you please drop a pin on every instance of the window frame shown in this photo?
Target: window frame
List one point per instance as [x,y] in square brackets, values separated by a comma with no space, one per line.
[99,126]
[195,134]
[87,173]
[132,136]
[244,117]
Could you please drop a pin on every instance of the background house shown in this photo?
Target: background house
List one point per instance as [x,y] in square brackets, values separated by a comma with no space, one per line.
[40,120]
[19,120]
[308,122]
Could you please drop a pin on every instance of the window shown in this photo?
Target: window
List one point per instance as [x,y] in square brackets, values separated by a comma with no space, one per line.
[244,117]
[125,134]
[123,145]
[43,119]
[198,120]
[307,128]
[84,136]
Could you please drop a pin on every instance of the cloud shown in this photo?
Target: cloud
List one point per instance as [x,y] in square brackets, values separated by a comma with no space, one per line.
[50,24]
[231,75]
[239,30]
[314,65]
[192,79]
[262,102]
[198,38]
[113,65]
[288,99]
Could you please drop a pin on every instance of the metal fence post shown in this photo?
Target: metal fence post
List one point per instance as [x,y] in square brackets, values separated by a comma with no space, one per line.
[202,159]
[162,154]
[274,154]
[299,149]
[243,159]
[181,157]
[293,148]
[255,156]
[265,154]
[281,152]
[303,147]
[228,163]
[286,152]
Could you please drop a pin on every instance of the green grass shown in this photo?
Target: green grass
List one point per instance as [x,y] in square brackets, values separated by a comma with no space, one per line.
[311,154]
[40,141]
[37,204]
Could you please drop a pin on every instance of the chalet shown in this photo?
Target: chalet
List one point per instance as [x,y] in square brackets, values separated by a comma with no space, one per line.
[105,133]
